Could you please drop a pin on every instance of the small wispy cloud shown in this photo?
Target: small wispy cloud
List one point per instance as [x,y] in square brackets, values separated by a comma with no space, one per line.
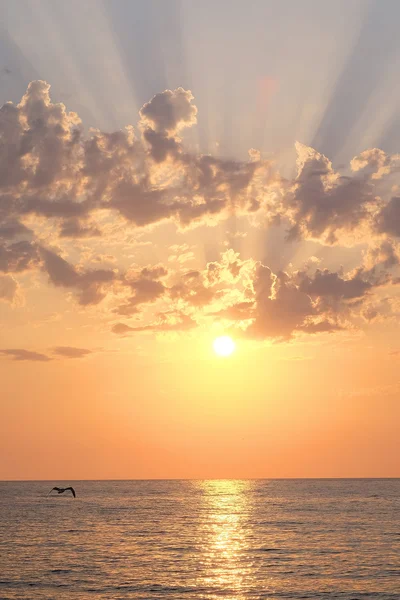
[21,354]
[59,352]
[71,352]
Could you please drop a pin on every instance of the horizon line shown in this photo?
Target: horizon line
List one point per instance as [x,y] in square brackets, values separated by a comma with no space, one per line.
[207,479]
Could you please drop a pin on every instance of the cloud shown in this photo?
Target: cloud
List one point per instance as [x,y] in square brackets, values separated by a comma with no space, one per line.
[322,204]
[200,288]
[181,253]
[322,302]
[170,111]
[18,257]
[75,228]
[20,354]
[67,196]
[8,288]
[320,327]
[142,203]
[146,287]
[50,169]
[280,306]
[240,311]
[382,253]
[169,321]
[121,328]
[257,302]
[90,285]
[71,352]
[332,285]
[11,228]
[374,162]
[388,219]
[192,289]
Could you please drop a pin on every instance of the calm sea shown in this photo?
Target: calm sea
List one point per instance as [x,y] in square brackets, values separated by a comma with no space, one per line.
[238,539]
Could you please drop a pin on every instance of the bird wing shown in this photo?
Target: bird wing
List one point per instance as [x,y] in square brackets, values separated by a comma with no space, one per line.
[72,490]
[52,490]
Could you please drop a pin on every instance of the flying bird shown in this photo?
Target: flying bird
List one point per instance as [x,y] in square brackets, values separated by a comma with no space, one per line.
[62,490]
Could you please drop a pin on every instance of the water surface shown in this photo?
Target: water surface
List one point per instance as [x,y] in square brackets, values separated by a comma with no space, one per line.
[233,539]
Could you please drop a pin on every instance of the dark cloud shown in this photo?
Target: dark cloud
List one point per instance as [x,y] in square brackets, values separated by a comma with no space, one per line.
[162,118]
[388,219]
[332,285]
[320,327]
[90,286]
[64,207]
[324,204]
[335,295]
[121,328]
[71,352]
[8,288]
[154,272]
[20,354]
[18,257]
[169,111]
[74,228]
[12,228]
[161,145]
[39,140]
[61,273]
[142,203]
[370,313]
[280,306]
[317,303]
[192,289]
[146,289]
[241,311]
[384,254]
[212,186]
[170,321]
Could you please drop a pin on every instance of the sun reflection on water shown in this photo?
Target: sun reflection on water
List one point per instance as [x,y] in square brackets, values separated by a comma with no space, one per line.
[224,533]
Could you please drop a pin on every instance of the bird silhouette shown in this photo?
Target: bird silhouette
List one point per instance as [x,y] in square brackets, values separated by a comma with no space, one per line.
[62,490]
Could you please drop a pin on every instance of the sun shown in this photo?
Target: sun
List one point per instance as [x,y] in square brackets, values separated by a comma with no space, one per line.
[224,345]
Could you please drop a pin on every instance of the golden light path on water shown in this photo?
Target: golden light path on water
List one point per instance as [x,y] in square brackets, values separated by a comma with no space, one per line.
[225,531]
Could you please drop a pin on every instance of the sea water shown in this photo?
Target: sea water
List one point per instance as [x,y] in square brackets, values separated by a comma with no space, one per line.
[238,539]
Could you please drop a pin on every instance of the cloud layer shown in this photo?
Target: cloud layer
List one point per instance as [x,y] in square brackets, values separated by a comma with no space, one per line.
[58,185]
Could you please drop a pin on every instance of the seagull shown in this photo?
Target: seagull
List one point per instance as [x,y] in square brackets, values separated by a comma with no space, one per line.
[62,490]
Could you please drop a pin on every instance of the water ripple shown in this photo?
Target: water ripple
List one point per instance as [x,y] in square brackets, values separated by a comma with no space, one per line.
[202,540]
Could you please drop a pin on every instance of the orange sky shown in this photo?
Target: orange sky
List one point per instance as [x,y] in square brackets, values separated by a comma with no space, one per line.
[141,217]
[293,411]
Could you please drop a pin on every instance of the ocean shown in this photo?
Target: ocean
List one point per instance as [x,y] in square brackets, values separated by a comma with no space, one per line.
[233,539]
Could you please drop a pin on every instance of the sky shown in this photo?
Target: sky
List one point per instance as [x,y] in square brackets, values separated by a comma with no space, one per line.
[173,172]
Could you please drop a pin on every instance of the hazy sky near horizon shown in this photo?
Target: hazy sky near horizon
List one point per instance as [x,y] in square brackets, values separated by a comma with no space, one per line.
[175,171]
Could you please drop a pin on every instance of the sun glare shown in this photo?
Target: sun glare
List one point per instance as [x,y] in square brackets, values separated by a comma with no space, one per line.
[224,346]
